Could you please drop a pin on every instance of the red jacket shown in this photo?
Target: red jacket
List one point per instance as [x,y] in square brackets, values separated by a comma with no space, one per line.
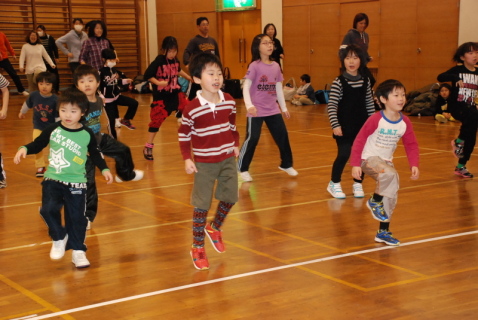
[5,47]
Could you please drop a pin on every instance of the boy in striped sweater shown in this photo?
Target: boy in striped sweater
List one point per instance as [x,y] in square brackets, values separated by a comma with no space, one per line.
[209,143]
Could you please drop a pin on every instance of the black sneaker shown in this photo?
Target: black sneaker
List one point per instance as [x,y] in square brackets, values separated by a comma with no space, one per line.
[463,172]
[457,148]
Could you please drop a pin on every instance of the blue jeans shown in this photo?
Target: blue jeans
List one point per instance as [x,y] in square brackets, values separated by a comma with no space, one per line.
[71,196]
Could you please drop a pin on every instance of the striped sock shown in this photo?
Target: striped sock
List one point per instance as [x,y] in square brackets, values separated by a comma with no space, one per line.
[223,209]
[199,222]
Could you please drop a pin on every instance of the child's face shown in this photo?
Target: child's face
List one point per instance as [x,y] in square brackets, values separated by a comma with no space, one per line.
[171,54]
[88,85]
[444,93]
[470,58]
[211,79]
[352,63]
[98,30]
[45,87]
[110,62]
[396,100]
[70,115]
[266,47]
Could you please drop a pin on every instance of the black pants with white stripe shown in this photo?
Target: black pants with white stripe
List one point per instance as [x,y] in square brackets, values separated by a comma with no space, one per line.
[278,130]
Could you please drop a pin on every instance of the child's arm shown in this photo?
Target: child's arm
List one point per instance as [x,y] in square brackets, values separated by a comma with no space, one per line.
[251,109]
[185,76]
[97,157]
[333,106]
[451,75]
[281,100]
[23,110]
[5,99]
[189,166]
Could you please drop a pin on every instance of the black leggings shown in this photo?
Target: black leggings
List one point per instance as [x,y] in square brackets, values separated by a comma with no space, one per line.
[469,124]
[344,148]
[113,113]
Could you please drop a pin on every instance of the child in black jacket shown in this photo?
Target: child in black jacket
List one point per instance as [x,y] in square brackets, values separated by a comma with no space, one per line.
[111,79]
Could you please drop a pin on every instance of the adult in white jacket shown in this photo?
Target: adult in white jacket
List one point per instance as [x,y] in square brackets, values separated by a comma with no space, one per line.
[31,59]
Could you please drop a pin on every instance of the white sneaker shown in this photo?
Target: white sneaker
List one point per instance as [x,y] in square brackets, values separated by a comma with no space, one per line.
[335,189]
[88,226]
[291,171]
[118,123]
[358,190]
[25,93]
[58,249]
[246,177]
[79,259]
[139,174]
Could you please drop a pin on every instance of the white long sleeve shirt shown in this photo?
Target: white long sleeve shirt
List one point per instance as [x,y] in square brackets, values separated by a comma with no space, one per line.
[33,55]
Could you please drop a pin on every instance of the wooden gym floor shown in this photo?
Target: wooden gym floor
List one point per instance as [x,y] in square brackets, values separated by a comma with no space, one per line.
[293,252]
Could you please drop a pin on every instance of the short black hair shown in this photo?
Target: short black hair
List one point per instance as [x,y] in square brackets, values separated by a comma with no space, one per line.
[359,17]
[41,27]
[46,77]
[353,48]
[91,28]
[305,77]
[444,85]
[385,88]
[201,19]
[77,19]
[108,54]
[464,48]
[84,70]
[27,38]
[74,97]
[200,61]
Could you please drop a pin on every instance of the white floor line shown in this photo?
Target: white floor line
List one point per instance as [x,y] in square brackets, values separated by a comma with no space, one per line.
[247,274]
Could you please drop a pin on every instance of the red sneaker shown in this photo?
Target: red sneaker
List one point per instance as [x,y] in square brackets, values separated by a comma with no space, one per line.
[127,124]
[216,238]
[199,258]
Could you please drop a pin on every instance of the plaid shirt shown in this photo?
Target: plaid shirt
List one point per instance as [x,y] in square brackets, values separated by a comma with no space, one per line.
[91,51]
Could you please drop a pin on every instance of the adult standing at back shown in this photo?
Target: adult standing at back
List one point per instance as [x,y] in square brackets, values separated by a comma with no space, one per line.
[49,43]
[74,41]
[278,52]
[6,65]
[200,43]
[359,37]
[97,41]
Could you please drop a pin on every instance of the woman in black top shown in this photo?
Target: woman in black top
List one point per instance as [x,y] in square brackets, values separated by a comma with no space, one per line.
[278,53]
[49,43]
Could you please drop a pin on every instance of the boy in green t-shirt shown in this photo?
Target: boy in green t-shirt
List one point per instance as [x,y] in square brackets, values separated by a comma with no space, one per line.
[64,183]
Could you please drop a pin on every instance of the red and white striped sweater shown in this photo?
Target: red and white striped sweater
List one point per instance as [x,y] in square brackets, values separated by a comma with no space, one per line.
[208,134]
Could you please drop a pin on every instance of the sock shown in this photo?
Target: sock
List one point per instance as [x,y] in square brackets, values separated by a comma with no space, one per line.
[384,226]
[377,197]
[459,166]
[223,209]
[199,222]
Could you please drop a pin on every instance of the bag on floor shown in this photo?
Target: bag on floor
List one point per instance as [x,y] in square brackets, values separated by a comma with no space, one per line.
[232,86]
[289,89]
[322,96]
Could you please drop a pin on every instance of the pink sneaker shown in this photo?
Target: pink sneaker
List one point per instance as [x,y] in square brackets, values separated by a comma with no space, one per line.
[216,238]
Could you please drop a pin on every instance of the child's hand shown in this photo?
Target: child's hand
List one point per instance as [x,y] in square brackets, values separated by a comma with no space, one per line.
[286,114]
[415,173]
[108,176]
[337,131]
[236,151]
[252,111]
[3,114]
[21,115]
[189,166]
[21,153]
[128,81]
[447,115]
[459,84]
[357,173]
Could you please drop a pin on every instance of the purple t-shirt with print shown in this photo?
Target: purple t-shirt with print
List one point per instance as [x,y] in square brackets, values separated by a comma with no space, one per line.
[264,78]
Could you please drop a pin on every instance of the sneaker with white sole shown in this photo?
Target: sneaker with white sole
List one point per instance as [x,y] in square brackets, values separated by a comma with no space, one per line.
[245,176]
[79,259]
[25,93]
[358,190]
[58,248]
[88,225]
[139,174]
[118,123]
[290,171]
[335,189]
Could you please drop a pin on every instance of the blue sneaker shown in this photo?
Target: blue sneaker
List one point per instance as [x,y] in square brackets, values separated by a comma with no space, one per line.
[386,237]
[377,210]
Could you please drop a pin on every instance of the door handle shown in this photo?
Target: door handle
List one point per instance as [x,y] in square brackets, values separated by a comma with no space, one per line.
[240,50]
[244,46]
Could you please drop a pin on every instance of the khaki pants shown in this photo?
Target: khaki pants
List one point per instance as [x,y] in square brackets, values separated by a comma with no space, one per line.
[387,180]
